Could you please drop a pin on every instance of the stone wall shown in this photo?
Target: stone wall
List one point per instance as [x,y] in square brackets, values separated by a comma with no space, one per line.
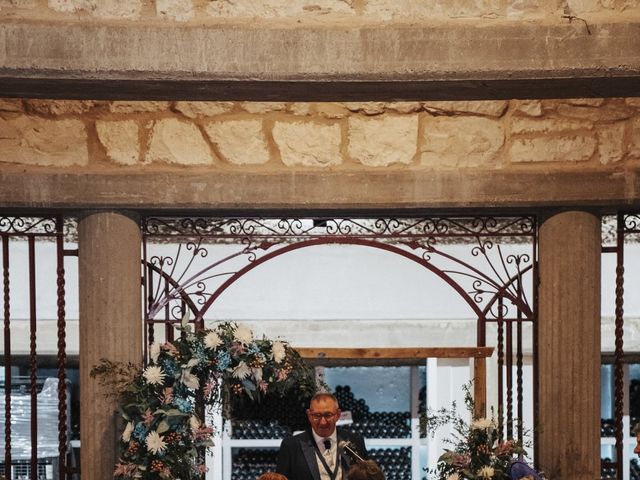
[323,11]
[548,135]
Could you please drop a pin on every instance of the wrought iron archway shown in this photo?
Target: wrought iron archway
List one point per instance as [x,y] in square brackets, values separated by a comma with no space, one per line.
[492,283]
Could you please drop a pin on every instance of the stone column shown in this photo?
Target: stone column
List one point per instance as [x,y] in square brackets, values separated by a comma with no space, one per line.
[109,245]
[568,374]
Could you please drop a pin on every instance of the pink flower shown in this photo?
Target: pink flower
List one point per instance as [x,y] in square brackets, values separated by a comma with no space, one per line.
[504,448]
[208,388]
[167,396]
[460,460]
[203,433]
[148,417]
[202,468]
[263,386]
[170,348]
[237,348]
[125,470]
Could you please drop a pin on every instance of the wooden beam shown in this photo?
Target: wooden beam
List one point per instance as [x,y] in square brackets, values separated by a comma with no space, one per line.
[479,387]
[329,90]
[407,356]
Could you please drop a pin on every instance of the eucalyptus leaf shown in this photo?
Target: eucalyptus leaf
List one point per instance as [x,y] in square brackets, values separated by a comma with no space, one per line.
[163,426]
[185,318]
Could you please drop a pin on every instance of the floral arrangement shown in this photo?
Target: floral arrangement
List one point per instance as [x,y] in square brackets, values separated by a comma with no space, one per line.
[163,404]
[478,452]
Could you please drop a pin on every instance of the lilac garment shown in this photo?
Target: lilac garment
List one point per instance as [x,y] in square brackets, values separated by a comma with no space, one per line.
[519,469]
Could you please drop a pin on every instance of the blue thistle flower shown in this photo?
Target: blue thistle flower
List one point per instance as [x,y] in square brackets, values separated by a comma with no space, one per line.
[224,360]
[183,405]
[140,432]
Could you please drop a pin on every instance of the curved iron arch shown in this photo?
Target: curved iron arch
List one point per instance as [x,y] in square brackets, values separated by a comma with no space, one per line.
[480,314]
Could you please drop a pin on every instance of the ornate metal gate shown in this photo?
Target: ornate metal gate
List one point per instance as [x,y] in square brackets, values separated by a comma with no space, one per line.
[627,228]
[497,286]
[31,231]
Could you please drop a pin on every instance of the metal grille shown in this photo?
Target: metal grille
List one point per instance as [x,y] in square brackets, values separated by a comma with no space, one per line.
[627,228]
[21,241]
[496,285]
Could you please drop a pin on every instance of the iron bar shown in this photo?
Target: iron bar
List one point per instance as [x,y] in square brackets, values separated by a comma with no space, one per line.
[500,371]
[33,364]
[63,471]
[7,355]
[519,374]
[619,347]
[509,375]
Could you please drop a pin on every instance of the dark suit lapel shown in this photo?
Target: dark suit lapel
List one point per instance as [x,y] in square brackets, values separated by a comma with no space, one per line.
[310,455]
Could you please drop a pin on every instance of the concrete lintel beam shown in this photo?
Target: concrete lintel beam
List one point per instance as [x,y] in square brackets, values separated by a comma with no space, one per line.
[374,62]
[234,191]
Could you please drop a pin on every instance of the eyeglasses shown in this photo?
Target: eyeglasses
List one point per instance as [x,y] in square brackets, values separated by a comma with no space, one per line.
[319,416]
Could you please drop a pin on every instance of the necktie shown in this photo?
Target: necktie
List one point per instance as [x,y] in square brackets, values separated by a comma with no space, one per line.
[327,452]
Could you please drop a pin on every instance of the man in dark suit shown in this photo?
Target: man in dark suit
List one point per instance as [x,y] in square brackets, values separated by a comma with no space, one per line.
[317,454]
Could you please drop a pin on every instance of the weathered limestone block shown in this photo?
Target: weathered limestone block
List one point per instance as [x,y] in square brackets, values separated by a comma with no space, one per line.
[368,108]
[175,141]
[386,10]
[583,102]
[120,140]
[240,141]
[384,140]
[278,8]
[11,105]
[404,107]
[611,143]
[574,148]
[606,112]
[490,108]
[461,141]
[263,107]
[38,141]
[137,107]
[21,4]
[125,9]
[521,8]
[69,5]
[634,143]
[520,125]
[584,6]
[178,10]
[58,107]
[203,109]
[308,143]
[331,110]
[532,108]
[301,109]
